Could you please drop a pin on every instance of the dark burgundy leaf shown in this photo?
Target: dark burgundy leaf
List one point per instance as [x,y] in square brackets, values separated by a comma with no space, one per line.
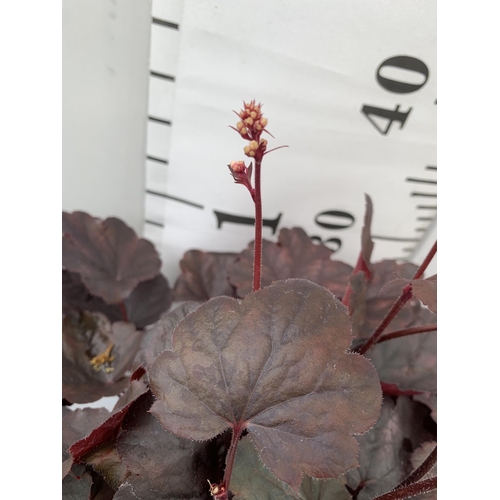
[108,255]
[109,428]
[148,301]
[294,256]
[410,363]
[76,425]
[424,290]
[162,465]
[144,305]
[204,275]
[386,450]
[252,481]
[75,296]
[274,363]
[161,336]
[86,335]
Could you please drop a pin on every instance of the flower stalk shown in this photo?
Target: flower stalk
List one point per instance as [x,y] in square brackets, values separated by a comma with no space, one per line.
[250,127]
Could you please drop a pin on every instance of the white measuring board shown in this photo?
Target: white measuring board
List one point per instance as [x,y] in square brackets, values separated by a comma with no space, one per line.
[349,86]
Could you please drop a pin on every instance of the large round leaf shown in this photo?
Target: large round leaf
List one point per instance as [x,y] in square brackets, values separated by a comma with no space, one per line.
[108,255]
[276,364]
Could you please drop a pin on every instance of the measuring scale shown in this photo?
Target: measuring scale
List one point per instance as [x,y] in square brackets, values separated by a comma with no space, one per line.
[348,86]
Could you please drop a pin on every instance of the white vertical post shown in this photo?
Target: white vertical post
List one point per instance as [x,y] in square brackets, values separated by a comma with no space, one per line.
[105,99]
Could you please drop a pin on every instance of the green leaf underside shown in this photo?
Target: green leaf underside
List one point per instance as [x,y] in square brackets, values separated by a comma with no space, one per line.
[76,487]
[251,480]
[276,364]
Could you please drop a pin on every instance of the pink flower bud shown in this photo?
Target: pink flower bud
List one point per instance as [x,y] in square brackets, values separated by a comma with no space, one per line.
[237,167]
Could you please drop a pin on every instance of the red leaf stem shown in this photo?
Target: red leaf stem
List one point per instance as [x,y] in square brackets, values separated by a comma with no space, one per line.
[396,307]
[411,490]
[426,262]
[407,331]
[420,471]
[123,310]
[231,455]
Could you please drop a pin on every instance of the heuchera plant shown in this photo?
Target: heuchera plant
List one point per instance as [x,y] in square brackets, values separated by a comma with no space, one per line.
[278,373]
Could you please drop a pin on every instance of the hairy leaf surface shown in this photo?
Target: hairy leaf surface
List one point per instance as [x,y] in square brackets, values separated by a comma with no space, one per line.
[417,458]
[276,364]
[161,336]
[252,481]
[294,256]
[108,255]
[204,275]
[109,428]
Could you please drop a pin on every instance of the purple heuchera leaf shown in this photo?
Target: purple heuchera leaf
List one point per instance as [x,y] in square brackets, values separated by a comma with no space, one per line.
[108,255]
[161,465]
[385,450]
[109,428]
[76,425]
[160,338]
[294,256]
[144,305]
[204,275]
[410,363]
[148,301]
[274,363]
